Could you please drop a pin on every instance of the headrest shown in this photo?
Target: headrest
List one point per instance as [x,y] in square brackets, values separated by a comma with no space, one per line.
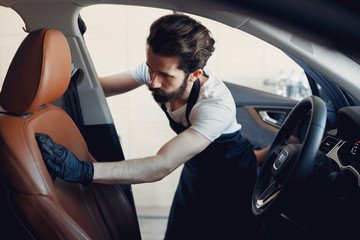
[39,72]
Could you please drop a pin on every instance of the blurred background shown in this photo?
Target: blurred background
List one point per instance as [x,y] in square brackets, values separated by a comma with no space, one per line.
[116,41]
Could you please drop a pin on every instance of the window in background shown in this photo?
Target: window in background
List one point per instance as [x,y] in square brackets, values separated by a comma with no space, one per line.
[243,59]
[11,27]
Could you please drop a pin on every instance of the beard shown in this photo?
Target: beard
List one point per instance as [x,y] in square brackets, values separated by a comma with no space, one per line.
[161,96]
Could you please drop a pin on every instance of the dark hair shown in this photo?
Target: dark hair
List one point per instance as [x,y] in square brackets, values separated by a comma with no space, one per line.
[178,35]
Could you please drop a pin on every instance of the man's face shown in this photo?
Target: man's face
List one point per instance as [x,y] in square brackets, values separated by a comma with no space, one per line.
[167,82]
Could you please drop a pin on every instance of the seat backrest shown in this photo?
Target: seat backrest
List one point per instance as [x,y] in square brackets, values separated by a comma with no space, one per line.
[32,204]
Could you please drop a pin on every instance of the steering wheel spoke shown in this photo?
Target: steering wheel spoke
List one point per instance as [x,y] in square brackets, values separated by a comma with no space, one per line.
[268,195]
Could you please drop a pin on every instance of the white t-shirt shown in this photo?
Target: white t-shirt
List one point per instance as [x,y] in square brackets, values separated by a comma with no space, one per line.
[214,112]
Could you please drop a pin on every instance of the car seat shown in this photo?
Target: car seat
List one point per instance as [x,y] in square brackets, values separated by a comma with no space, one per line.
[33,206]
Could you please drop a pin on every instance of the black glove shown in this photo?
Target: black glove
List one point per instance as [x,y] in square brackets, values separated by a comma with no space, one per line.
[62,163]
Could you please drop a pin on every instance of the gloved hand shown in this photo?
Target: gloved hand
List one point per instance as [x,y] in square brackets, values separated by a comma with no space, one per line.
[62,163]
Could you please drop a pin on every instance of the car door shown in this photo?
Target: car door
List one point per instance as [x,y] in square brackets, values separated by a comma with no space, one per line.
[260,113]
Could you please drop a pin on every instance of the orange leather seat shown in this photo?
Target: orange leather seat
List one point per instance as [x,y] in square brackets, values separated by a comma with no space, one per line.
[34,206]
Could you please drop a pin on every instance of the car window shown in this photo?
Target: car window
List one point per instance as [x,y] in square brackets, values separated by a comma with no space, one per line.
[243,59]
[239,57]
[116,38]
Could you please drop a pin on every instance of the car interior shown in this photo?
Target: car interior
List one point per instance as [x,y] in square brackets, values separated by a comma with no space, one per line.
[308,188]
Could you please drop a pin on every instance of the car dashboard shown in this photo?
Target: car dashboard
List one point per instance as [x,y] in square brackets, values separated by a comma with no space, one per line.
[325,208]
[344,146]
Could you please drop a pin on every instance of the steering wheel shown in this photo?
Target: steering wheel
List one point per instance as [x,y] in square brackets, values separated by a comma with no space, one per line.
[287,165]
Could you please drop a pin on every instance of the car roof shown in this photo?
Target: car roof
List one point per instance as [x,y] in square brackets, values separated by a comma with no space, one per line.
[334,23]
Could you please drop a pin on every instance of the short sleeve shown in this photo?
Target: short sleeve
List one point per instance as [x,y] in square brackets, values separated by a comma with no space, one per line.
[140,73]
[212,119]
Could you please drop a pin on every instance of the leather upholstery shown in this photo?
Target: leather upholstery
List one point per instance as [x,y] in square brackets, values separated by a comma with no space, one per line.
[42,67]
[33,205]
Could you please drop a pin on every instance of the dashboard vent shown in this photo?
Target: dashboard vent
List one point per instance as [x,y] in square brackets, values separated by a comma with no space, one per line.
[328,144]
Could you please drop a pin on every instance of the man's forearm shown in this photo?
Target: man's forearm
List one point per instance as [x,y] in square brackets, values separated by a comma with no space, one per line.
[118,83]
[61,162]
[150,169]
[260,155]
[142,170]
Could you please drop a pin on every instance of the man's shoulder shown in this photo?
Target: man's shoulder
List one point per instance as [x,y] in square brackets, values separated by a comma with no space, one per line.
[214,89]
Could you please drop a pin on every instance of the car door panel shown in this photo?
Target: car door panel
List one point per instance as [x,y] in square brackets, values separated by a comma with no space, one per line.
[260,114]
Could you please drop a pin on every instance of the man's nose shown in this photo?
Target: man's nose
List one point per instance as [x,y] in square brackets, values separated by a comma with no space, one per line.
[155,81]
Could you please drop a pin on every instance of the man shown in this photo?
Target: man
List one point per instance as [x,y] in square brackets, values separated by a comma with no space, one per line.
[213,197]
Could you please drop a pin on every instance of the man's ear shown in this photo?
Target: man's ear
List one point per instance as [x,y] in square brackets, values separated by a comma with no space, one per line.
[195,75]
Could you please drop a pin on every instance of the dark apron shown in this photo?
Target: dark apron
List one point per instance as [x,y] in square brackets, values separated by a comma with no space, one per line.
[213,197]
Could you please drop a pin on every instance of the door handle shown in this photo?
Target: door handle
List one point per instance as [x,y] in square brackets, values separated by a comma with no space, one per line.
[275,118]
